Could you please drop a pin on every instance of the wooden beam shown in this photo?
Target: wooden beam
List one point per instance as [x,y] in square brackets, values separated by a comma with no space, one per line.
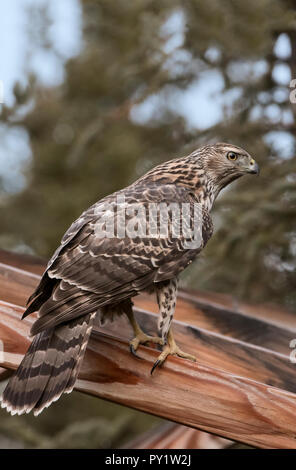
[197,395]
[226,322]
[29,263]
[273,314]
[237,357]
[176,436]
[269,313]
[16,285]
[191,394]
[5,374]
[243,386]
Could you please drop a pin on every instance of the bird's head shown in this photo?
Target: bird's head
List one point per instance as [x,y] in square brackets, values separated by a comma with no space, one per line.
[224,163]
[206,171]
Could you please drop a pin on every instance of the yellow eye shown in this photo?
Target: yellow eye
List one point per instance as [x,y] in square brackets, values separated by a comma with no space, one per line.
[232,156]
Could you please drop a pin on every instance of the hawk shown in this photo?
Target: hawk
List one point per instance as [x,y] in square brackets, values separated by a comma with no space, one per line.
[91,275]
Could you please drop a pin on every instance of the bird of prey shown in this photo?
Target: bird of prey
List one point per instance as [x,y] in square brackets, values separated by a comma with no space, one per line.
[91,275]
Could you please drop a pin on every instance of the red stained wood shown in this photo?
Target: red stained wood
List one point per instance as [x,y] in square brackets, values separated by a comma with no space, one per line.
[196,395]
[243,386]
[29,263]
[176,436]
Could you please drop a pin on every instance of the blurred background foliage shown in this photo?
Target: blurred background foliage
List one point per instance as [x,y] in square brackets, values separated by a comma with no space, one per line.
[150,81]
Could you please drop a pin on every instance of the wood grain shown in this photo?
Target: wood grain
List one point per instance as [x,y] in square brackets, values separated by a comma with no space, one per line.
[212,349]
[271,313]
[176,436]
[226,322]
[243,386]
[16,285]
[5,374]
[217,302]
[29,263]
[196,395]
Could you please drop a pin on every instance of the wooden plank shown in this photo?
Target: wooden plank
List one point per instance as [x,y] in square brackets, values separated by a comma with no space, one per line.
[226,322]
[208,310]
[211,349]
[29,263]
[175,436]
[5,374]
[270,313]
[218,351]
[16,286]
[196,395]
[238,347]
[191,394]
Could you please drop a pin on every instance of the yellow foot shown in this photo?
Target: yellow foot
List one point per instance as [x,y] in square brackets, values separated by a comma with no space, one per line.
[142,338]
[171,349]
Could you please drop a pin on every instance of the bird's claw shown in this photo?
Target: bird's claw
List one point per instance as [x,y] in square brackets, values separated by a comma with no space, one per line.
[142,338]
[157,363]
[133,351]
[173,350]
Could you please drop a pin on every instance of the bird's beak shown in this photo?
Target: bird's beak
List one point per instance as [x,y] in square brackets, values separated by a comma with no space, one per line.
[253,168]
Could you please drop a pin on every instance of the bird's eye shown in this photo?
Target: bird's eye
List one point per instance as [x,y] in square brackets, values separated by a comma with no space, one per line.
[232,156]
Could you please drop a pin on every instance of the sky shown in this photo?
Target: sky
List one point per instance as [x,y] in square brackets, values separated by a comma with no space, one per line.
[22,50]
[17,53]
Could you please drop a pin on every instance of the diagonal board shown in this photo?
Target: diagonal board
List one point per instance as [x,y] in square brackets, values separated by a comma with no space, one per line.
[196,395]
[242,387]
[16,285]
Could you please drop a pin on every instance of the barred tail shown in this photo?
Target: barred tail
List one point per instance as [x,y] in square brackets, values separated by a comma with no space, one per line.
[49,368]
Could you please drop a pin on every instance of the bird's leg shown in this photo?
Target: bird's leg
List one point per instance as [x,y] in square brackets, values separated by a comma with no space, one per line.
[166,296]
[140,336]
[171,348]
[166,293]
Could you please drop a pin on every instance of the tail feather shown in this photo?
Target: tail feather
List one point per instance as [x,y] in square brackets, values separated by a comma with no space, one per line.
[49,368]
[17,389]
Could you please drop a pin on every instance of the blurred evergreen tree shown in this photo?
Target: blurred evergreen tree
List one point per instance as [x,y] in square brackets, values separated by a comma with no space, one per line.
[87,143]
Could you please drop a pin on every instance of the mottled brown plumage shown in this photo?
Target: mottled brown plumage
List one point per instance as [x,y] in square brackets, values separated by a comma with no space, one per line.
[90,275]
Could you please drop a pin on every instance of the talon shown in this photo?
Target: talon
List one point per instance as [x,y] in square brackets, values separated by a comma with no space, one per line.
[133,351]
[156,364]
[142,338]
[171,349]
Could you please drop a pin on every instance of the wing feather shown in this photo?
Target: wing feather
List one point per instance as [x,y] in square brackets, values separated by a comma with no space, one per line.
[87,271]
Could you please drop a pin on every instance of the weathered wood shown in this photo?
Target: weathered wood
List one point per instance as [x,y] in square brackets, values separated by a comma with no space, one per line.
[5,374]
[212,349]
[243,386]
[196,395]
[191,394]
[175,436]
[226,322]
[29,263]
[17,285]
[272,314]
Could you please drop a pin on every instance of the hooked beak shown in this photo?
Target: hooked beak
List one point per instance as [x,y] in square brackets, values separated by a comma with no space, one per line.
[254,168]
